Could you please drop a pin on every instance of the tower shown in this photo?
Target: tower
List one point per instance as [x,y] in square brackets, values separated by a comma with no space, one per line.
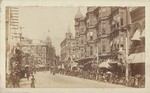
[69,33]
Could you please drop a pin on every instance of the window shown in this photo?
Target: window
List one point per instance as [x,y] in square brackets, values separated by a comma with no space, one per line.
[121,45]
[117,46]
[81,41]
[114,46]
[70,36]
[82,29]
[77,43]
[69,43]
[103,48]
[117,24]
[121,20]
[91,23]
[103,31]
[91,50]
[91,37]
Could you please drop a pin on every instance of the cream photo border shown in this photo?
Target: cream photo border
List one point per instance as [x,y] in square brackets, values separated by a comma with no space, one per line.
[5,3]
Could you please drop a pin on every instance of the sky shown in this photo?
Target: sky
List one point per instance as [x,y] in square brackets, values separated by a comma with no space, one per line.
[37,20]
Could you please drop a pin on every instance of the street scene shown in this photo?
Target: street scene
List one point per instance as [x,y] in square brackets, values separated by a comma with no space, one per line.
[75,47]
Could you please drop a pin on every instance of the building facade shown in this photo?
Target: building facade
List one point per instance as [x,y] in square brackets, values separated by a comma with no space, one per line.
[103,31]
[137,41]
[13,34]
[68,47]
[80,35]
[42,52]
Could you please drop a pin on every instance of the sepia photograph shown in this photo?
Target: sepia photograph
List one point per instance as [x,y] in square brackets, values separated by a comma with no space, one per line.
[75,46]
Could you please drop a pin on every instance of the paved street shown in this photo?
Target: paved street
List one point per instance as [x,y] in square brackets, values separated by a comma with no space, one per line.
[46,80]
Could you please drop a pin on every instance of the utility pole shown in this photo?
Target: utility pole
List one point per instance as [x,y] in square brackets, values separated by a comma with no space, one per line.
[128,23]
[97,51]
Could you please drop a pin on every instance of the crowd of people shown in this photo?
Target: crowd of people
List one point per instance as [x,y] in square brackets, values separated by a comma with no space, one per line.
[13,79]
[137,81]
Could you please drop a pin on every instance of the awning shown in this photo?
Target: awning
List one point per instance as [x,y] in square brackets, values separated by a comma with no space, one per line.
[84,60]
[40,66]
[136,35]
[73,64]
[113,62]
[137,58]
[143,34]
[104,65]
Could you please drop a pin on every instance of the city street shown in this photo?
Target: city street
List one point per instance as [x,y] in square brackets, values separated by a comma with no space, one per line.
[46,80]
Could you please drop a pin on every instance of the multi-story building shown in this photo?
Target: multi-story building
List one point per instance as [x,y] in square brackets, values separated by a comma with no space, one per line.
[80,35]
[104,29]
[117,34]
[137,41]
[42,52]
[13,34]
[13,31]
[68,47]
[105,33]
[91,25]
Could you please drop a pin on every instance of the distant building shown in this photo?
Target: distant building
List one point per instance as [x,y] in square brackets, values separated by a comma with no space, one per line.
[42,52]
[67,47]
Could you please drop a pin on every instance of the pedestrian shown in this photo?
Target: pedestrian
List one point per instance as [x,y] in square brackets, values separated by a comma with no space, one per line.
[33,82]
[18,81]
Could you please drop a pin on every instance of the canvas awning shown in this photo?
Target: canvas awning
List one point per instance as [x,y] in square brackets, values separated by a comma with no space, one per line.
[137,58]
[136,35]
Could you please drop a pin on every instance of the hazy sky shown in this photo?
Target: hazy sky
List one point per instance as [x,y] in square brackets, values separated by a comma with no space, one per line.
[37,20]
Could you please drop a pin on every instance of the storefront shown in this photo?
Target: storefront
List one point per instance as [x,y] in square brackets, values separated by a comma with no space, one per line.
[137,63]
